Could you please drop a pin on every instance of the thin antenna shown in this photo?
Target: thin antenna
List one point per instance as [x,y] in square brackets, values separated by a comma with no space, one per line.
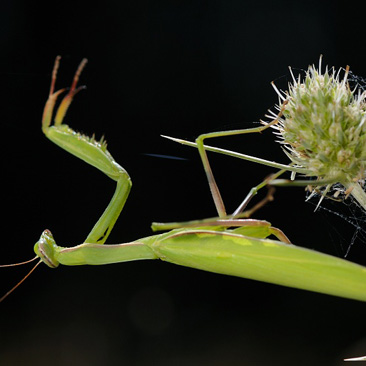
[18,264]
[20,282]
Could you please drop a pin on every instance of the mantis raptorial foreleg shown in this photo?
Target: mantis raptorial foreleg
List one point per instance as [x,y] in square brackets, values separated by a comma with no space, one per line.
[88,149]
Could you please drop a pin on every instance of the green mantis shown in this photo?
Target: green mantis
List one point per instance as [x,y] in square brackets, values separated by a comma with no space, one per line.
[228,245]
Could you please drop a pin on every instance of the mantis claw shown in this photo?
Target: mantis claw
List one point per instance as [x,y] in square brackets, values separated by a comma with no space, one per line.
[64,105]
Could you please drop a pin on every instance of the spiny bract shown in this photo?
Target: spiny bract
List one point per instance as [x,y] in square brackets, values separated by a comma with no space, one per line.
[322,127]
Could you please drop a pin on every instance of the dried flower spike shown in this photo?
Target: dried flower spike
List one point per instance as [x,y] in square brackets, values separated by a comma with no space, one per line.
[323,131]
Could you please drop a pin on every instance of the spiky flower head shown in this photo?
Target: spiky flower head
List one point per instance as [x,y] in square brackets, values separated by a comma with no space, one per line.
[322,127]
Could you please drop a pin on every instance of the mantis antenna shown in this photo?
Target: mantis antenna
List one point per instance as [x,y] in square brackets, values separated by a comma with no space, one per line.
[23,279]
[18,264]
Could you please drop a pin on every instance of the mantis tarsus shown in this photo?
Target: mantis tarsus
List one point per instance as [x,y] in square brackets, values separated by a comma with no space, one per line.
[227,245]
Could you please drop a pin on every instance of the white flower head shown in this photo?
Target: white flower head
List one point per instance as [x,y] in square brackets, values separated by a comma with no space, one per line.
[322,128]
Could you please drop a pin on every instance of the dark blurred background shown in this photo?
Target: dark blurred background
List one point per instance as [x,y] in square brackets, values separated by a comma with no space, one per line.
[178,68]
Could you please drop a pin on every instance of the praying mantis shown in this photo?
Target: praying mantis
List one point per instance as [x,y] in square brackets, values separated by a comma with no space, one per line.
[230,245]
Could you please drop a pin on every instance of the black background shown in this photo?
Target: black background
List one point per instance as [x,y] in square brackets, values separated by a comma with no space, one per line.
[177,68]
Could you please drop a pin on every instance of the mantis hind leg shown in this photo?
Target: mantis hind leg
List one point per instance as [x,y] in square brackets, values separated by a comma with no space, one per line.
[88,149]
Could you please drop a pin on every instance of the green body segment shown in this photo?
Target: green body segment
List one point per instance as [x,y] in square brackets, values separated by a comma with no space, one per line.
[95,254]
[227,252]
[264,260]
